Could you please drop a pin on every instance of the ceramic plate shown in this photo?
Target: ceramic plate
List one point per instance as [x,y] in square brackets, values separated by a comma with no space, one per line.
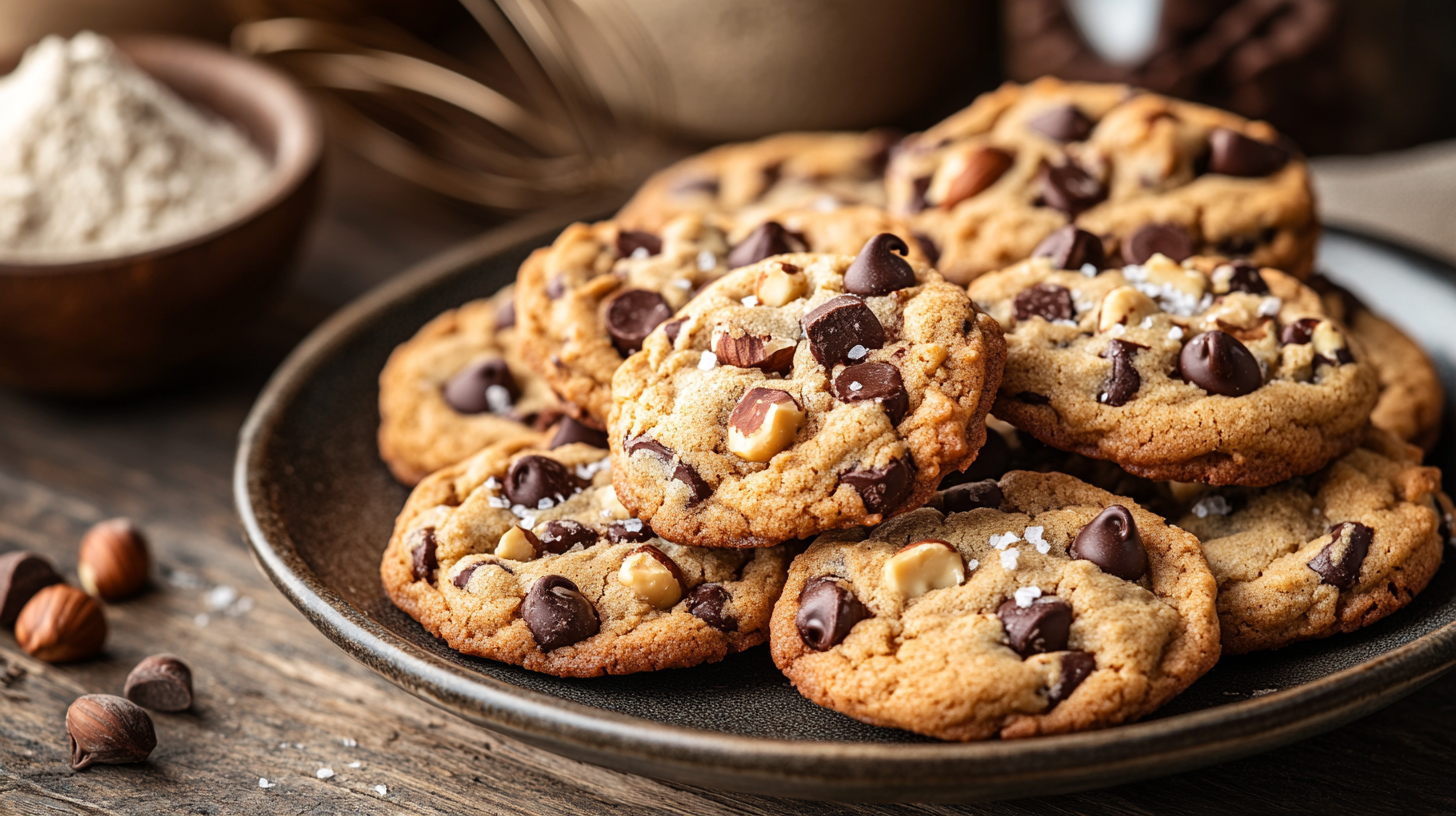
[319,506]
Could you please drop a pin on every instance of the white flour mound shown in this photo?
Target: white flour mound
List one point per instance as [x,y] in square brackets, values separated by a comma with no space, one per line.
[98,159]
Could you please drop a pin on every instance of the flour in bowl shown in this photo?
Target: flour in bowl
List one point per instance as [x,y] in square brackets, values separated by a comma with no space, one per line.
[98,159]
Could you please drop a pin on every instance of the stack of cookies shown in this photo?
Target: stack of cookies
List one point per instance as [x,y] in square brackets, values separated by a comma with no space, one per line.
[1010,427]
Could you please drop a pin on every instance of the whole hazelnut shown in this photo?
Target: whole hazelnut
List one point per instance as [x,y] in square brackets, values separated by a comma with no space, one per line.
[162,682]
[107,730]
[114,563]
[60,624]
[22,574]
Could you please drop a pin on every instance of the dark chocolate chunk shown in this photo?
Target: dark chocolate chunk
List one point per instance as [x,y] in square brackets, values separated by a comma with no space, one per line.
[632,315]
[1065,123]
[629,241]
[505,316]
[1299,332]
[631,531]
[1338,564]
[706,603]
[1069,188]
[1233,154]
[1045,300]
[827,611]
[1219,364]
[422,554]
[570,430]
[878,270]
[470,390]
[1112,542]
[970,496]
[836,326]
[672,328]
[1171,240]
[927,246]
[697,488]
[882,489]
[1246,278]
[644,442]
[1125,381]
[558,614]
[767,239]
[983,168]
[918,187]
[1041,627]
[874,381]
[556,287]
[1071,248]
[22,574]
[1076,667]
[561,535]
[1238,245]
[1033,398]
[532,479]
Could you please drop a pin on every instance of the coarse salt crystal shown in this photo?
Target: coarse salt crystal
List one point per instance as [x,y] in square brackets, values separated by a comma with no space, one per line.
[348,742]
[1270,306]
[498,502]
[492,483]
[545,503]
[972,564]
[1008,558]
[1212,506]
[324,773]
[1089,270]
[707,361]
[706,262]
[1000,541]
[1026,595]
[751,300]
[1175,333]
[854,386]
[1146,324]
[356,764]
[381,790]
[858,352]
[264,783]
[1033,536]
[498,399]
[640,253]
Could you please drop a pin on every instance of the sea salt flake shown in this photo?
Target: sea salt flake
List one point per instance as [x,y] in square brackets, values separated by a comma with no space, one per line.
[545,503]
[381,790]
[751,300]
[706,261]
[1117,330]
[632,525]
[1000,541]
[324,773]
[1033,536]
[221,597]
[1175,333]
[1213,505]
[854,386]
[348,743]
[707,361]
[356,764]
[493,483]
[858,352]
[498,399]
[972,564]
[1008,558]
[1026,595]
[201,620]
[640,253]
[497,502]
[1270,306]
[1146,324]
[264,783]
[1089,270]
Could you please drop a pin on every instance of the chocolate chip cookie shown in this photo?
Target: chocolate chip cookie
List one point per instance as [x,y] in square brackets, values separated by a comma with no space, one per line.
[1033,605]
[525,556]
[458,386]
[1328,553]
[1205,371]
[752,180]
[589,300]
[1140,172]
[800,394]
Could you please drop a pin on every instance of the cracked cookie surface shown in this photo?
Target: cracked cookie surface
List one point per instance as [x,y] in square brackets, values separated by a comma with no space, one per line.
[991,182]
[571,585]
[1000,616]
[804,393]
[1205,371]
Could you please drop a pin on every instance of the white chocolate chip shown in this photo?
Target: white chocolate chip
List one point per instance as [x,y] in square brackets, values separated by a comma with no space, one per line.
[923,566]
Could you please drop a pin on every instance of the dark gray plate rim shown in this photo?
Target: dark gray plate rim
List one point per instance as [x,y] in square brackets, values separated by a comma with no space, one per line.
[821,770]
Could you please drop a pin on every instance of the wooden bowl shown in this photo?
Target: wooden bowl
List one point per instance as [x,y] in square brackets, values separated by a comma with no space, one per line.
[101,327]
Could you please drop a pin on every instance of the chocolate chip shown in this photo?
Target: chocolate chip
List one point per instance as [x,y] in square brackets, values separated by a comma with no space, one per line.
[1112,542]
[556,287]
[966,497]
[1045,300]
[1219,364]
[1041,627]
[1338,564]
[1170,239]
[697,488]
[532,479]
[1069,188]
[827,611]
[1076,667]
[422,554]
[882,489]
[1236,245]
[767,239]
[706,603]
[570,431]
[877,270]
[631,531]
[672,328]
[1066,123]
[992,462]
[1071,248]
[1123,385]
[22,574]
[629,241]
[485,385]
[1246,278]
[505,316]
[1233,154]
[918,187]
[983,168]
[1032,398]
[874,381]
[462,578]
[561,535]
[836,326]
[927,247]
[558,614]
[632,315]
[646,443]
[542,420]
[1299,332]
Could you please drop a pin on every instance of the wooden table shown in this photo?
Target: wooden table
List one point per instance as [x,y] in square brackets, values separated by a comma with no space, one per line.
[278,701]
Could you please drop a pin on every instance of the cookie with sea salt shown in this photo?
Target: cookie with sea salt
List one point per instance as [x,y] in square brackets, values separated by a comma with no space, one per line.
[1034,605]
[1138,171]
[524,555]
[1205,371]
[1324,554]
[801,394]
[458,386]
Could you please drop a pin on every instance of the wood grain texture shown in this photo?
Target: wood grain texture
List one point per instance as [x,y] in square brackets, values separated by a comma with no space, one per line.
[276,700]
